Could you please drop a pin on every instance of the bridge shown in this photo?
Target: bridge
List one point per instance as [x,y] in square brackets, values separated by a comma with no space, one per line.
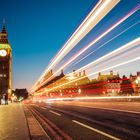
[90,90]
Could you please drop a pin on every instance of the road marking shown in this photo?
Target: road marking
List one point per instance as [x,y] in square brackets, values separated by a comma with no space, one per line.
[54,112]
[96,130]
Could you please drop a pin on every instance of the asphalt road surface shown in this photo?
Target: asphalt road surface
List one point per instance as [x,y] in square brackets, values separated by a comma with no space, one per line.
[94,121]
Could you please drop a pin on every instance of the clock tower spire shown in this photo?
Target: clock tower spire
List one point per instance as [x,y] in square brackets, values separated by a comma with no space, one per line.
[3,35]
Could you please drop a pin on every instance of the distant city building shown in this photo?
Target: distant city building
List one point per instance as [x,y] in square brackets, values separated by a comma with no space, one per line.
[5,63]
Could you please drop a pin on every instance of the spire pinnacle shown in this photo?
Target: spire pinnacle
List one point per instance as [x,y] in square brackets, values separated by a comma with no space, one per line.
[3,27]
[3,35]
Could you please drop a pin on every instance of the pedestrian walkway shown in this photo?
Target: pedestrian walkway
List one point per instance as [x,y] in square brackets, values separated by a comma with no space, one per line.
[13,125]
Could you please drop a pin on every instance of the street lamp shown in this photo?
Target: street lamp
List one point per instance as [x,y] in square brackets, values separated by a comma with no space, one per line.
[137,81]
[9,91]
[138,78]
[79,90]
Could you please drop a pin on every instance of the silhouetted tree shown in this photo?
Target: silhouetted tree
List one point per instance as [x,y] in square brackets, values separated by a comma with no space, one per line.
[21,93]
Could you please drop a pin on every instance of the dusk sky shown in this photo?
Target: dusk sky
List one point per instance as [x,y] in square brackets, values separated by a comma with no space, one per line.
[37,29]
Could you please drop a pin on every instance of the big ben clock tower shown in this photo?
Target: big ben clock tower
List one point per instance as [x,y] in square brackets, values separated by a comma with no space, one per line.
[5,64]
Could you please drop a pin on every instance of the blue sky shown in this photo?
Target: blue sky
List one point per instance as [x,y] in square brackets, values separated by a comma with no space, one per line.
[37,29]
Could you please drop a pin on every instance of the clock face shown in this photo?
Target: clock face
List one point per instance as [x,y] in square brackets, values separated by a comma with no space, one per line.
[3,53]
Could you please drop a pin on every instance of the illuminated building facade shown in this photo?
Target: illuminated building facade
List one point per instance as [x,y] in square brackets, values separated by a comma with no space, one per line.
[70,89]
[104,84]
[78,84]
[5,64]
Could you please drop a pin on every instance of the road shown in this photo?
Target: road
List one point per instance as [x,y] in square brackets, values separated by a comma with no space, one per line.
[92,121]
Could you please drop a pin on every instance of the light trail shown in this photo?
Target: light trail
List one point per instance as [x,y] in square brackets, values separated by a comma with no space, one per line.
[65,45]
[93,42]
[107,42]
[80,26]
[98,12]
[126,46]
[91,98]
[115,52]
[101,36]
[129,53]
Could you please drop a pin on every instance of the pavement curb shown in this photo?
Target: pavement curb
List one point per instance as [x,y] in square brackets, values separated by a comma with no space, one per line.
[35,129]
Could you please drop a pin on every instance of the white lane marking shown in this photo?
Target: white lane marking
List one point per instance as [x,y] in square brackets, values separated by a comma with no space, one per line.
[54,112]
[96,130]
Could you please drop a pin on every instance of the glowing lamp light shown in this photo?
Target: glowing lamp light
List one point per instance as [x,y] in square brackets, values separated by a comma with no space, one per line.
[79,90]
[138,78]
[9,91]
[137,81]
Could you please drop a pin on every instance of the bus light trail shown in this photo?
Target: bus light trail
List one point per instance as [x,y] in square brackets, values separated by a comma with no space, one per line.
[93,42]
[92,19]
[101,36]
[115,52]
[126,46]
[100,10]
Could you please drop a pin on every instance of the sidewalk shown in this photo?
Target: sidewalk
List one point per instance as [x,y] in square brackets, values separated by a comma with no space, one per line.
[13,125]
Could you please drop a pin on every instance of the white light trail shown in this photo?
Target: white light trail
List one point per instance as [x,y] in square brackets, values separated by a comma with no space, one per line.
[93,42]
[115,52]
[124,47]
[92,98]
[100,10]
[107,42]
[109,55]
